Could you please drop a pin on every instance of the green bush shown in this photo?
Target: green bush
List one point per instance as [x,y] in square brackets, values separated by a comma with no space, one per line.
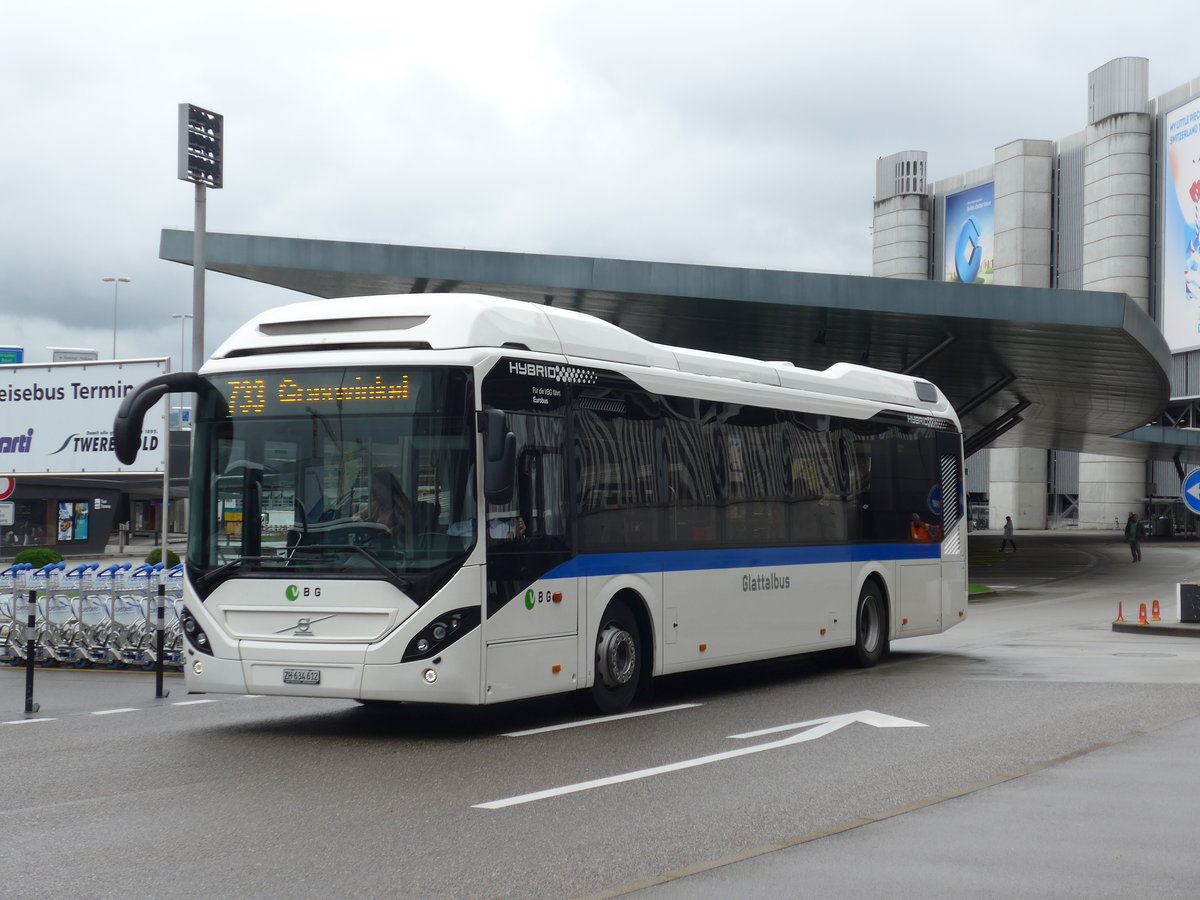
[156,554]
[38,557]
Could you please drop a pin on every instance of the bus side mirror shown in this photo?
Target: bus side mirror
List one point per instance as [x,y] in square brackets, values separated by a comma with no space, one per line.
[499,456]
[127,426]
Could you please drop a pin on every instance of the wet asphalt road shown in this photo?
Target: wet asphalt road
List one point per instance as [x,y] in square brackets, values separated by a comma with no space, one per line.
[1014,755]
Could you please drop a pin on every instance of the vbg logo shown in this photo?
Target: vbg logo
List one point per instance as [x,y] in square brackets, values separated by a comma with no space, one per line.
[294,593]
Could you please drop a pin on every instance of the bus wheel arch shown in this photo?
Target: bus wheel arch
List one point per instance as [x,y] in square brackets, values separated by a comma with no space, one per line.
[623,658]
[871,624]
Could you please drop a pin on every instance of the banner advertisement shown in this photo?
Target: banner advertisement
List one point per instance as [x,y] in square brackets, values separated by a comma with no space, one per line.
[970,238]
[1180,204]
[58,420]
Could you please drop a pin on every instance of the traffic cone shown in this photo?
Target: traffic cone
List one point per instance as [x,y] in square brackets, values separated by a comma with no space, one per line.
[1154,612]
[1120,614]
[1142,615]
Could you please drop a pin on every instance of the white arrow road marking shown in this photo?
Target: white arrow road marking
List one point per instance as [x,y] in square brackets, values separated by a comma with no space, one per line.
[866,716]
[821,727]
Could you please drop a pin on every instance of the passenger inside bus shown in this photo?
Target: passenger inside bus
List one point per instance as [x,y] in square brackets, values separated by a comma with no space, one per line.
[922,531]
[388,505]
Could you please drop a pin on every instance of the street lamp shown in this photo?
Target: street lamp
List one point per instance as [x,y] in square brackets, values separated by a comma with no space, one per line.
[116,283]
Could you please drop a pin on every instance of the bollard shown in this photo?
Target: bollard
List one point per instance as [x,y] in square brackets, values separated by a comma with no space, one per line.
[158,640]
[1120,614]
[31,653]
[1154,612]
[1142,615]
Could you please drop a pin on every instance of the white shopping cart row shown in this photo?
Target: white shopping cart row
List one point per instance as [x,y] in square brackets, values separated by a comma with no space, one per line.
[89,616]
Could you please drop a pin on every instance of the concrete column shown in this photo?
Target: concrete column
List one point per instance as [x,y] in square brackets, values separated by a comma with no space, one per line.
[1024,181]
[900,238]
[1116,207]
[1110,488]
[1018,487]
[1117,181]
[900,227]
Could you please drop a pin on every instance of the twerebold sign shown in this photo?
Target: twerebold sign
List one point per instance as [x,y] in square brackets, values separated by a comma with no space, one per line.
[58,419]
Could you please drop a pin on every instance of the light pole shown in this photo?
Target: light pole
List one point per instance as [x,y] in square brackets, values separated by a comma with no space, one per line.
[116,283]
[182,317]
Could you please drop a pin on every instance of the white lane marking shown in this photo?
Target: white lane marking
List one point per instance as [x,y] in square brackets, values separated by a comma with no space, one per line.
[821,728]
[24,721]
[110,712]
[632,715]
[190,702]
[866,716]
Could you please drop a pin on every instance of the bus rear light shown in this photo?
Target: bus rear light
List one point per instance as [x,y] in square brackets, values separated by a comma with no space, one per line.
[822,632]
[703,647]
[556,597]
[556,669]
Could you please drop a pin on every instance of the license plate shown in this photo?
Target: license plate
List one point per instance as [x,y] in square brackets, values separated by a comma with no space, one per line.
[301,676]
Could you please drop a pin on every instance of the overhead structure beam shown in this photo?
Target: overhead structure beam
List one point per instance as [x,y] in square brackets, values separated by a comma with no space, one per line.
[986,394]
[929,355]
[998,426]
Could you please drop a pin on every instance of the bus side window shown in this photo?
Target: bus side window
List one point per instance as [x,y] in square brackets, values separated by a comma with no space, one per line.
[535,513]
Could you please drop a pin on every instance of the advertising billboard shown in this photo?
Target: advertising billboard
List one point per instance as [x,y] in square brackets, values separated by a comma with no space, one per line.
[1180,205]
[970,237]
[58,419]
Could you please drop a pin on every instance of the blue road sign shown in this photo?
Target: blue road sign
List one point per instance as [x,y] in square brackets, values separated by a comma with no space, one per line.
[1191,491]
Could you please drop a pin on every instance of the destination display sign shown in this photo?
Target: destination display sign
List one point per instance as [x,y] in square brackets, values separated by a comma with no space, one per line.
[296,392]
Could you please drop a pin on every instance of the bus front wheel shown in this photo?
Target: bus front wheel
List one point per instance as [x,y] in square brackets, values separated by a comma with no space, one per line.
[618,659]
[870,627]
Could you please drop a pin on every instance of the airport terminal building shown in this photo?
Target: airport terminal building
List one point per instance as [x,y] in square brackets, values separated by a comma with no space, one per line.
[1113,208]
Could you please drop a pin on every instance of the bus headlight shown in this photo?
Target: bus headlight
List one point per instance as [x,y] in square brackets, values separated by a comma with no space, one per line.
[440,634]
[430,676]
[193,632]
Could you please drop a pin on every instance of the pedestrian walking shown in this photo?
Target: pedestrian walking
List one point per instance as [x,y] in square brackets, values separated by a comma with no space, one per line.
[1008,535]
[1134,532]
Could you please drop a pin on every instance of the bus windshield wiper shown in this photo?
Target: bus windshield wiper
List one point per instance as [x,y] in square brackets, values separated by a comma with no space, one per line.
[219,573]
[310,550]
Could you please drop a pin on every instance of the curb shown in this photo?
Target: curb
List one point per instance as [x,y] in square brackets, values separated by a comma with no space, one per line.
[1171,629]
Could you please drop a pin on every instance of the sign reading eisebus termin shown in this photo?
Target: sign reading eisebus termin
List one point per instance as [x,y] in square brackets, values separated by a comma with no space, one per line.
[58,419]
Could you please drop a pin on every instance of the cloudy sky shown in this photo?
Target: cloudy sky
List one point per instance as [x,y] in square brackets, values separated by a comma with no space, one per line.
[740,134]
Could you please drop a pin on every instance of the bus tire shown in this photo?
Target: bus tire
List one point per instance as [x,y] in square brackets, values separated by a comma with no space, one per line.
[619,659]
[870,626]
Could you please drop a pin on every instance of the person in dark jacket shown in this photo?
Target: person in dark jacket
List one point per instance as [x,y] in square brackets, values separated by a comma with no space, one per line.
[1134,532]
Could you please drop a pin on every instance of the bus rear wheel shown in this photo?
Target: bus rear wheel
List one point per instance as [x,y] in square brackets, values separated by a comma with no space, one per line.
[618,660]
[870,627]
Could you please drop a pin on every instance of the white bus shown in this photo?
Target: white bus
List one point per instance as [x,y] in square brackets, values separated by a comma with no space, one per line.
[456,498]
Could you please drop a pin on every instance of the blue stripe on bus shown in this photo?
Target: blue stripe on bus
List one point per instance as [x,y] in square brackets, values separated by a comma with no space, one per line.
[743,558]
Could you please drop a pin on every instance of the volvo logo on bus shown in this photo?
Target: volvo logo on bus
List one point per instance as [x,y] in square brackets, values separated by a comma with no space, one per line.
[304,624]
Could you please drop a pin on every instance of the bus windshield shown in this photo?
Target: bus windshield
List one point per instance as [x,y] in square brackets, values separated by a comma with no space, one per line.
[334,472]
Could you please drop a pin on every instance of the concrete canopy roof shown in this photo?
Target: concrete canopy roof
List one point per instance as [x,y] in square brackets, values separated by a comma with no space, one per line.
[1028,367]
